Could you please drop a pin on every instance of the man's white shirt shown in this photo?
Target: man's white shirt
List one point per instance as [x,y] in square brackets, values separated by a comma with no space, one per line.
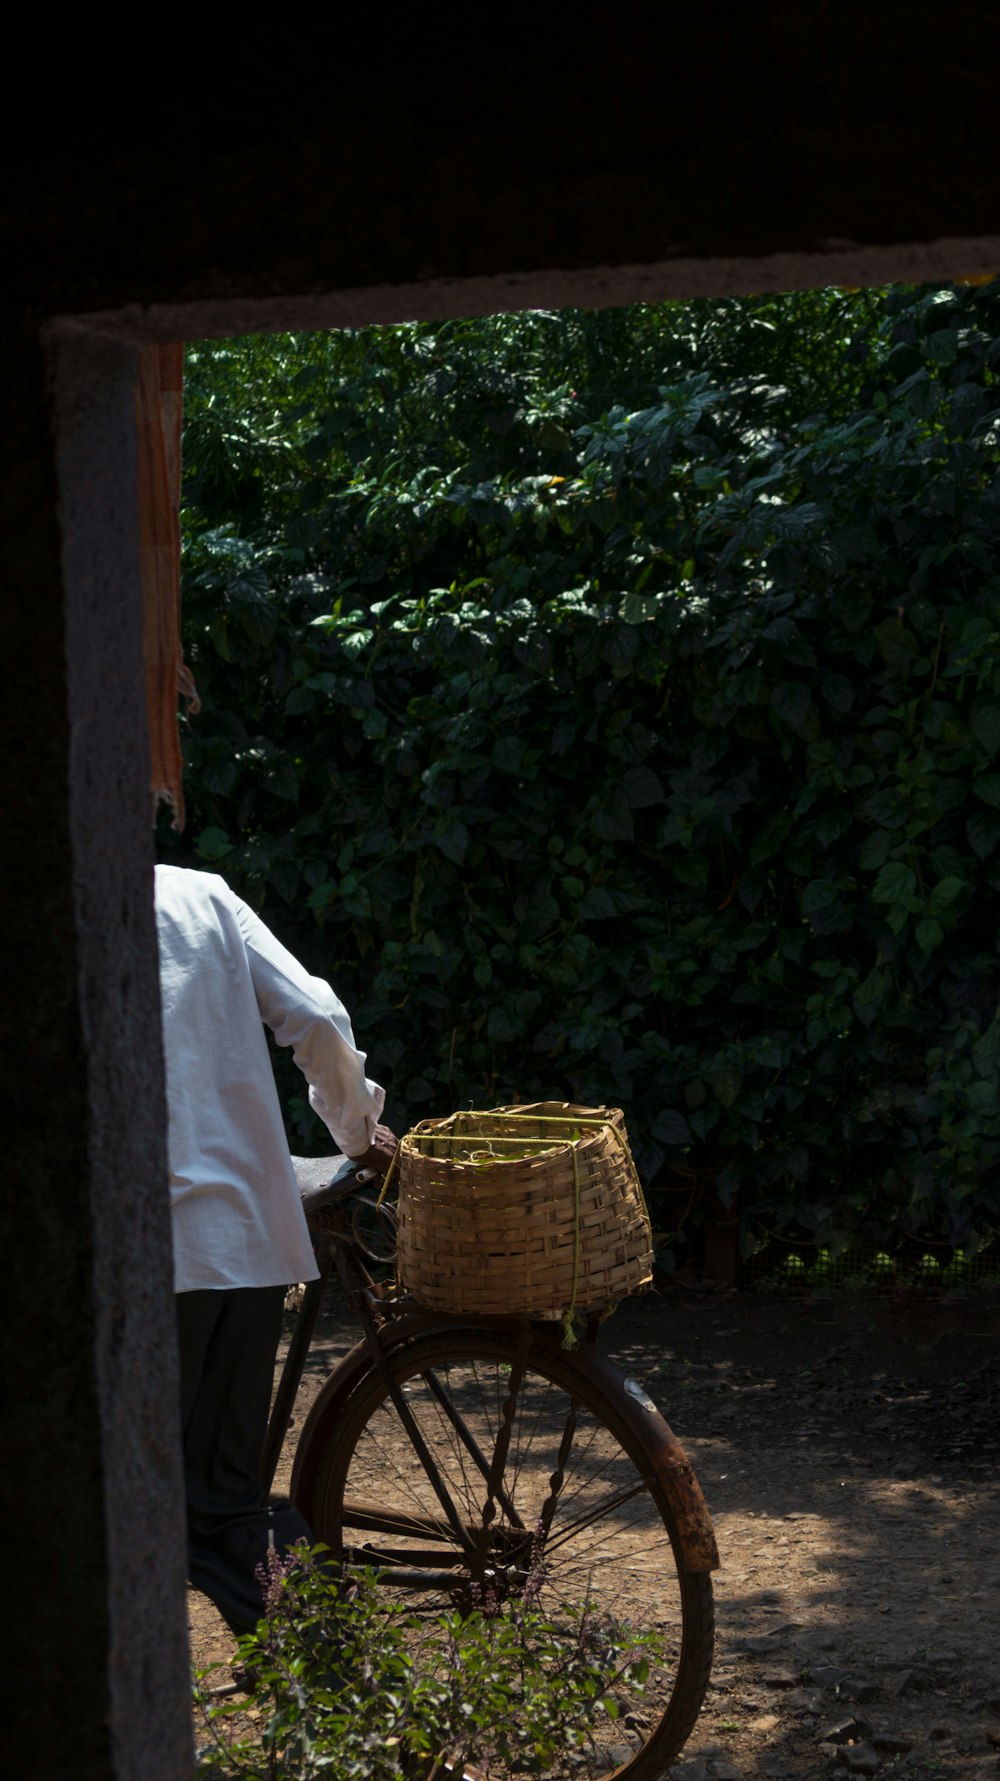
[237,1220]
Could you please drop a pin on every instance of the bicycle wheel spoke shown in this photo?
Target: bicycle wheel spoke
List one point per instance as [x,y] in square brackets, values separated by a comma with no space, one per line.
[570,1530]
[467,1439]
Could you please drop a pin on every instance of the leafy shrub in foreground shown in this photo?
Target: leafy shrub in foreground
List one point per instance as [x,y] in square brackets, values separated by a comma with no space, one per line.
[359,1688]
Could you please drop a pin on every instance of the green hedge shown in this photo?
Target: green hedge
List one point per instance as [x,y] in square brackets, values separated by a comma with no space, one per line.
[644,754]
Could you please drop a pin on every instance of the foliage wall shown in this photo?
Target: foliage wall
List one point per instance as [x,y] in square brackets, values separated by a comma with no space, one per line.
[609,704]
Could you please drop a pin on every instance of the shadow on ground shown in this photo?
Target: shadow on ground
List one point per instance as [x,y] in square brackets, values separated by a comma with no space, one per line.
[848,1450]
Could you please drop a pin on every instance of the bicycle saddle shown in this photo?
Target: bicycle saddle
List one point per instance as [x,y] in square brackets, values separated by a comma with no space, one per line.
[323,1179]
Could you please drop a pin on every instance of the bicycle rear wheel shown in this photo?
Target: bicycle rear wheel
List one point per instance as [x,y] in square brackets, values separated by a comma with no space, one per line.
[573,1465]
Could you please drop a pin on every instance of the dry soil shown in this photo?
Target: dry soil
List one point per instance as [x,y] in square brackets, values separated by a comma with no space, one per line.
[848,1448]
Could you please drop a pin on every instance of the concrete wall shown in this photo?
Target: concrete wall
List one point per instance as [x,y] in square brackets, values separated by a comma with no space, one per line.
[361,184]
[94,1672]
[133,1334]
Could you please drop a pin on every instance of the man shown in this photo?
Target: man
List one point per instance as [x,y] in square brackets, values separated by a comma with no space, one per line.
[239,1233]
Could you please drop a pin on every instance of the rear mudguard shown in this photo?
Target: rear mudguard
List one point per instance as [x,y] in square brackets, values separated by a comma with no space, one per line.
[670,1463]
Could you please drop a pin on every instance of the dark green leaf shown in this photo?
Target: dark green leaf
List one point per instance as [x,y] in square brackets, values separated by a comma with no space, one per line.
[214,844]
[671,1127]
[596,904]
[790,701]
[894,883]
[987,787]
[897,643]
[942,347]
[726,1083]
[838,692]
[453,840]
[642,787]
[985,723]
[703,1120]
[869,995]
[945,892]
[874,849]
[508,754]
[613,822]
[817,896]
[419,1089]
[983,830]
[219,776]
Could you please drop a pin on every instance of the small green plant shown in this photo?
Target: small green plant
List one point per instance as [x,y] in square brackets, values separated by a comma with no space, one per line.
[794,1271]
[820,1273]
[358,1686]
[958,1272]
[929,1270]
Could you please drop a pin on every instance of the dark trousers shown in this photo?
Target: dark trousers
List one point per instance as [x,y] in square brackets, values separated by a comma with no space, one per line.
[228,1343]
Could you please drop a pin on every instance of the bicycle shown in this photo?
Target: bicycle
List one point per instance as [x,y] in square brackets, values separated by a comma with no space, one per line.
[454,1454]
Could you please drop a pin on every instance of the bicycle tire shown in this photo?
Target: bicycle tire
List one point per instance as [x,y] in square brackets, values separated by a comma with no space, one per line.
[612,1538]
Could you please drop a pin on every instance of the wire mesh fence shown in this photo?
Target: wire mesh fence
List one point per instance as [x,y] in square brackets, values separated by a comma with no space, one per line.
[921,1264]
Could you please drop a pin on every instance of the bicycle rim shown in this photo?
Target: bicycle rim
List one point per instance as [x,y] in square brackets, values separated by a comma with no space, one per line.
[571,1466]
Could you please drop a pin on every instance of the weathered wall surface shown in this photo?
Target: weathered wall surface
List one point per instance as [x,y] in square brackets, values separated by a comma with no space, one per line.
[94,1674]
[358,181]
[52,1475]
[133,1331]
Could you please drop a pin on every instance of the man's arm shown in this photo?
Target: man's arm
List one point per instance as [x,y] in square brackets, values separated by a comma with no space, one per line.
[304,1013]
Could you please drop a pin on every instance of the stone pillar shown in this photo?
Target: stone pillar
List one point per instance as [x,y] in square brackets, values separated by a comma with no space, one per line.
[94,1675]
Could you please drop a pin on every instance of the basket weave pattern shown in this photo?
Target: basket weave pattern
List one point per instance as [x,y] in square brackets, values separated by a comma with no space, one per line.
[523,1211]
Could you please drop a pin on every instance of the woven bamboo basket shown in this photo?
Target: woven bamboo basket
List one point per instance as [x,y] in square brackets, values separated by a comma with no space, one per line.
[523,1211]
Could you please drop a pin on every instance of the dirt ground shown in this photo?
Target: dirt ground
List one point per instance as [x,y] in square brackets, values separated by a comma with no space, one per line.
[848,1449]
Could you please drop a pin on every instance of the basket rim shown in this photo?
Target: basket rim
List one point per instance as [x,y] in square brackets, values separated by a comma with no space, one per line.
[571,1114]
[506,1119]
[528,1153]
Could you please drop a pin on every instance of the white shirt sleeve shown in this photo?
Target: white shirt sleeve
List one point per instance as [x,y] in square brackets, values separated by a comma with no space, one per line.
[303,1012]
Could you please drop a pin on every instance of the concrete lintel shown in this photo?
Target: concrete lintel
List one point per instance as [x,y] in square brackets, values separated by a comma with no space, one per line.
[842,263]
